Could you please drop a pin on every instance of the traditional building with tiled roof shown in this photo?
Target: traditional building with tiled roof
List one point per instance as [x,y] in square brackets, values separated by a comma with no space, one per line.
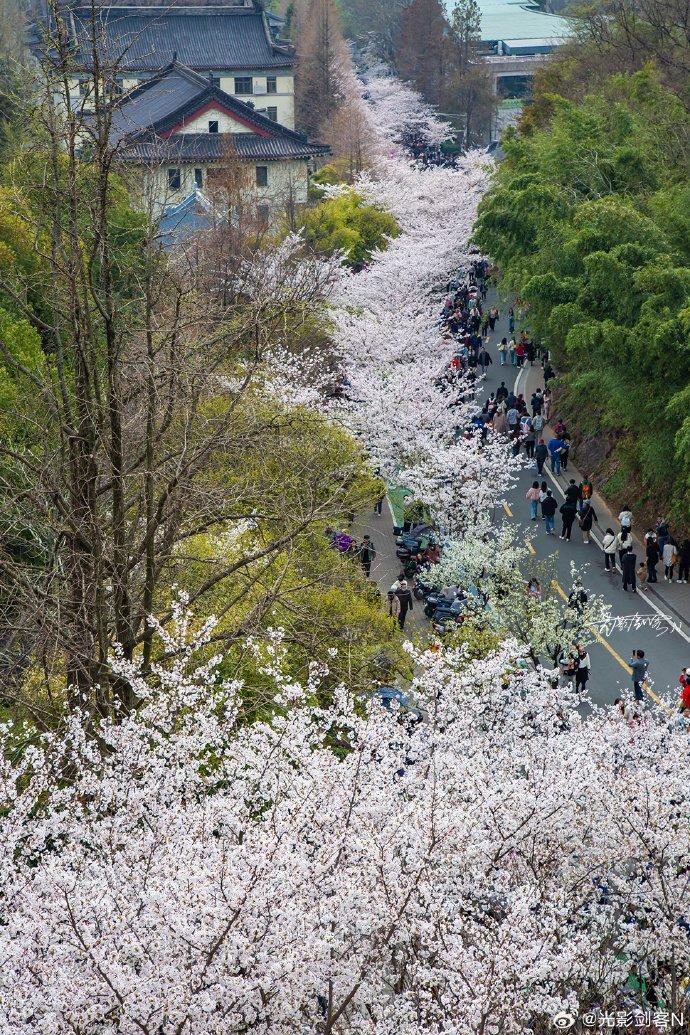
[231,43]
[185,132]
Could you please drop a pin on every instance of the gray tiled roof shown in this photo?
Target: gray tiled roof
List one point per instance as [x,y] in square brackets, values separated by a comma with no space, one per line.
[155,102]
[212,147]
[207,39]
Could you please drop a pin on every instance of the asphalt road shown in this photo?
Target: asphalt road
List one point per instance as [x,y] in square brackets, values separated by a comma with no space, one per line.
[667,648]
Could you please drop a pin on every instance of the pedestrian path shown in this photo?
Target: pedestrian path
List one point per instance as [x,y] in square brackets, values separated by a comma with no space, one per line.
[386,566]
[668,647]
[674,598]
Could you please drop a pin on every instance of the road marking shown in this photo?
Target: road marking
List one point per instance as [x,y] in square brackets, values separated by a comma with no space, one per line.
[614,653]
[655,607]
[507,510]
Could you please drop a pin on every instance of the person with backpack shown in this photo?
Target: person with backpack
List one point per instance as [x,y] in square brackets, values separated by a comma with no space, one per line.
[548,510]
[586,491]
[625,518]
[537,402]
[587,517]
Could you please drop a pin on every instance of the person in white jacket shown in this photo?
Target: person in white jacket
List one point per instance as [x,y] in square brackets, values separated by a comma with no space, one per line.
[670,557]
[625,517]
[610,549]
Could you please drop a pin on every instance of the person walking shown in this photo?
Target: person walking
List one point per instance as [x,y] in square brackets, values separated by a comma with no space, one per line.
[493,317]
[555,447]
[625,518]
[640,667]
[500,421]
[684,562]
[629,567]
[572,492]
[652,556]
[609,544]
[366,553]
[568,512]
[528,437]
[541,453]
[587,517]
[511,352]
[623,544]
[583,668]
[546,404]
[537,402]
[533,495]
[548,510]
[483,359]
[663,534]
[503,351]
[511,320]
[586,491]
[394,604]
[406,604]
[670,559]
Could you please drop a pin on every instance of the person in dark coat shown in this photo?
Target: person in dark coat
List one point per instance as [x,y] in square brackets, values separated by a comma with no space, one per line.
[483,358]
[406,603]
[653,555]
[366,553]
[629,565]
[568,513]
[541,453]
[548,510]
[588,516]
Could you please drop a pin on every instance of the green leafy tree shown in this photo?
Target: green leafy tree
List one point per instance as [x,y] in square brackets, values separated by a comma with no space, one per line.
[348,224]
[588,219]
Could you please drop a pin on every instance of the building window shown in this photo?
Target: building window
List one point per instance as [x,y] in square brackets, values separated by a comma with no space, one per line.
[213,126]
[174,179]
[244,84]
[272,113]
[84,87]
[262,176]
[263,214]
[271,84]
[198,177]
[215,79]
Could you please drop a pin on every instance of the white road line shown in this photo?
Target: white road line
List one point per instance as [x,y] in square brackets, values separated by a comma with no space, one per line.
[660,611]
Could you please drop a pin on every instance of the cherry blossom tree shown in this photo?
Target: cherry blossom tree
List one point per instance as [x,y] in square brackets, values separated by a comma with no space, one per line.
[493,561]
[334,871]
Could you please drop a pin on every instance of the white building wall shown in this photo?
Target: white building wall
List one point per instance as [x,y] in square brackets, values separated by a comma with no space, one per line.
[287,184]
